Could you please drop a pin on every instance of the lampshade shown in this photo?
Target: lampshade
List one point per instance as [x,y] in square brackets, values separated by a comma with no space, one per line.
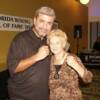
[84,1]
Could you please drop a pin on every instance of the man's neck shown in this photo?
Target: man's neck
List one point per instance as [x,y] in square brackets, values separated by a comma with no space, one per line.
[36,33]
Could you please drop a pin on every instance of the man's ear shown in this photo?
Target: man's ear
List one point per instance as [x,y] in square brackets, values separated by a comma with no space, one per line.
[34,20]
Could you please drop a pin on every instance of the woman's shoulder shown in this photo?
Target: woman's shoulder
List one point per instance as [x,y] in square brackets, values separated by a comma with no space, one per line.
[72,58]
[71,55]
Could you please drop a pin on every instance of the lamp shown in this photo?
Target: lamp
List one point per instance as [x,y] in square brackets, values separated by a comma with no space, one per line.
[84,2]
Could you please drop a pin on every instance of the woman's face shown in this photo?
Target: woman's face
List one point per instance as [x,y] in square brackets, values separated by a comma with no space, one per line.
[56,45]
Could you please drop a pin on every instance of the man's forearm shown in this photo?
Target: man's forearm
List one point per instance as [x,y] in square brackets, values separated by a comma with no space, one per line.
[26,63]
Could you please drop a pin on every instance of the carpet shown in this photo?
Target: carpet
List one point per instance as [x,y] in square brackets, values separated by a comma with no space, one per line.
[92,90]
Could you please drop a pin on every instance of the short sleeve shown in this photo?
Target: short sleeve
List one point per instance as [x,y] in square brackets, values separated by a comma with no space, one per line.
[15,54]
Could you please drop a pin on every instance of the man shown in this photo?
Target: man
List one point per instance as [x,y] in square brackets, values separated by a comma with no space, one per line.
[96,45]
[28,59]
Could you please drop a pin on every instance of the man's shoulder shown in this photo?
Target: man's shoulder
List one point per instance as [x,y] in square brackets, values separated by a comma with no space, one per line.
[22,34]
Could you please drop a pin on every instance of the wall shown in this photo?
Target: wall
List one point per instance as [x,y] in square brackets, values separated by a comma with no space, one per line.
[22,8]
[69,13]
[94,7]
[94,21]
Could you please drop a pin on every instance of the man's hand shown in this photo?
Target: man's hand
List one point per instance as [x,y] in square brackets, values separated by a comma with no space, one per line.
[42,53]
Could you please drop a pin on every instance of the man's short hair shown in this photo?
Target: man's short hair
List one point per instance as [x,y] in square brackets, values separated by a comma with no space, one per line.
[46,11]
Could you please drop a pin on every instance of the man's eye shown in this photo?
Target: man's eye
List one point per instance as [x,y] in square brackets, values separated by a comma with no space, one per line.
[41,21]
[50,23]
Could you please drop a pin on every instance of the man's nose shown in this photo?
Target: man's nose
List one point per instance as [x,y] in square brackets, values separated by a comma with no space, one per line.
[45,25]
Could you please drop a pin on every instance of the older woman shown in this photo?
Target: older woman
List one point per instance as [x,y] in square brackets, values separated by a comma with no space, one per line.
[65,69]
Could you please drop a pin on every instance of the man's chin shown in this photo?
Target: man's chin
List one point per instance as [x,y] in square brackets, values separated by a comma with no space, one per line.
[43,35]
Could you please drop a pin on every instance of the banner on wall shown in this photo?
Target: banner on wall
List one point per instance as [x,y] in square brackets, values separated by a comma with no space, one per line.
[14,23]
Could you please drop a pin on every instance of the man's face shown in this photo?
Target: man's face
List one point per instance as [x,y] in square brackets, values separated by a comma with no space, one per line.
[43,24]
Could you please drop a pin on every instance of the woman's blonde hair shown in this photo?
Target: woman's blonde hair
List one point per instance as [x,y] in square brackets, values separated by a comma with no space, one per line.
[60,34]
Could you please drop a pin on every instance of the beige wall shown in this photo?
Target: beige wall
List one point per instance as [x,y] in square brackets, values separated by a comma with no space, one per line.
[69,13]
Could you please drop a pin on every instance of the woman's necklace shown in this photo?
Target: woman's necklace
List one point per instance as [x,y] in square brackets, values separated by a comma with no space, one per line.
[58,66]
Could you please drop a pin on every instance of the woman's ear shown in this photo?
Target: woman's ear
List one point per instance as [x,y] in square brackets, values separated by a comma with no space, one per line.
[67,46]
[63,43]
